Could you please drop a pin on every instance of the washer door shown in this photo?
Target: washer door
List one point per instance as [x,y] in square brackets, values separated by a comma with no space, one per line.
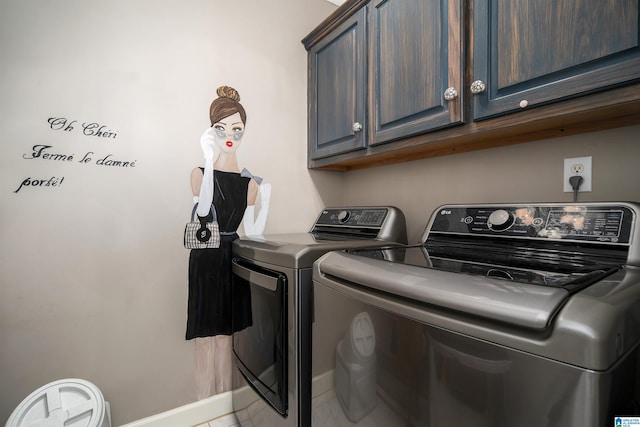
[260,349]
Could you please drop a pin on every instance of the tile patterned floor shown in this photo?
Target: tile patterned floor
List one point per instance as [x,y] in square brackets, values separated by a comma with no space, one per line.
[228,420]
[326,411]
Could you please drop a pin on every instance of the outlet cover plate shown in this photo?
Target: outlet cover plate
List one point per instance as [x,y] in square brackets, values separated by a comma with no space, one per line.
[569,165]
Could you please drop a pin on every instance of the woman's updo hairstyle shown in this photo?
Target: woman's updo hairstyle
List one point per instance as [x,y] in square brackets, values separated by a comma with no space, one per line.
[227,104]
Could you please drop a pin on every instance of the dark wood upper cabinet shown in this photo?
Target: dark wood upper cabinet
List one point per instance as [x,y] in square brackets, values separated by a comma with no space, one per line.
[415,52]
[337,89]
[432,77]
[531,52]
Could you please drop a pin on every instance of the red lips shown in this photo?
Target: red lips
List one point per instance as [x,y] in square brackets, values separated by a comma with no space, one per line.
[229,144]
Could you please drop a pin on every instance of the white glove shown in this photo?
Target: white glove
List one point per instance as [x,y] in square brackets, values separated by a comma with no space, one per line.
[206,188]
[207,143]
[265,194]
[255,226]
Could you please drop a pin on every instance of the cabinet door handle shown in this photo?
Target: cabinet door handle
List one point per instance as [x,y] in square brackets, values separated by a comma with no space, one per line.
[357,127]
[450,94]
[478,87]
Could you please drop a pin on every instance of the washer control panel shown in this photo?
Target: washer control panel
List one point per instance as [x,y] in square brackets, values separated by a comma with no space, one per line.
[590,222]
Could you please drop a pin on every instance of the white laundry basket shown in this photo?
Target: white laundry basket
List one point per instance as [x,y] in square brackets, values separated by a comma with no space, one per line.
[64,403]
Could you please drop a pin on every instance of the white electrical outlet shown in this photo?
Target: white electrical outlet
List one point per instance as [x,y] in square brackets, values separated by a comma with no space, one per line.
[577,166]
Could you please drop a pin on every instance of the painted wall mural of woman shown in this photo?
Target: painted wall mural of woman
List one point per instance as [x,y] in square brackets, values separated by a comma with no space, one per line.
[212,316]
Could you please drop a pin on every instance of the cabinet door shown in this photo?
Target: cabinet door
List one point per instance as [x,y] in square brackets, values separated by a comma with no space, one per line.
[531,52]
[416,51]
[337,90]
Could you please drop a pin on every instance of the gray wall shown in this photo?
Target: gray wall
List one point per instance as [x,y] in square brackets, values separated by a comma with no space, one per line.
[531,172]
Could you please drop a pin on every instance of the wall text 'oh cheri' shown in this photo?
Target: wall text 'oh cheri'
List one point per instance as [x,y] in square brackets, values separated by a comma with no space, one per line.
[88,129]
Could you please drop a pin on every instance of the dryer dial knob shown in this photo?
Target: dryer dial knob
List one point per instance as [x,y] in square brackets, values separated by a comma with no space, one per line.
[500,220]
[343,216]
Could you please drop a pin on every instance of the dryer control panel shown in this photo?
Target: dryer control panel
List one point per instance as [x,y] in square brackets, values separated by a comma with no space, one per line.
[359,217]
[375,222]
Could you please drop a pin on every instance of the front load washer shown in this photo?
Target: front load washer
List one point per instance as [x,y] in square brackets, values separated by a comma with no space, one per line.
[516,314]
[272,370]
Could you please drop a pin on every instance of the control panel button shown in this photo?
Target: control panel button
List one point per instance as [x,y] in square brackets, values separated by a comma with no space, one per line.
[500,220]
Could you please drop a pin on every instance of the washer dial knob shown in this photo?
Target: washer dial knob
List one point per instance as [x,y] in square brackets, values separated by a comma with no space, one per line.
[500,220]
[343,216]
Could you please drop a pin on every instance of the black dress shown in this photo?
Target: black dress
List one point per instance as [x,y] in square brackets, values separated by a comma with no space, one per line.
[211,309]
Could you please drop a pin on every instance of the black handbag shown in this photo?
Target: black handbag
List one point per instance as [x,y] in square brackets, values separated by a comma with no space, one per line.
[200,234]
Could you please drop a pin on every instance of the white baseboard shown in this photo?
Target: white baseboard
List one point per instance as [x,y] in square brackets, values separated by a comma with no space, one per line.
[322,383]
[216,406]
[189,415]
